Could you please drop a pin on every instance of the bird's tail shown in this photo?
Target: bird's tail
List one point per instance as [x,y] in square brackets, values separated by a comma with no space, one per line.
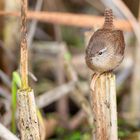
[108,23]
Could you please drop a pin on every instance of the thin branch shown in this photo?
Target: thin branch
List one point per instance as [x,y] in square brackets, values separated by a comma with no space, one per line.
[83,103]
[78,20]
[55,94]
[6,134]
[5,93]
[77,120]
[5,79]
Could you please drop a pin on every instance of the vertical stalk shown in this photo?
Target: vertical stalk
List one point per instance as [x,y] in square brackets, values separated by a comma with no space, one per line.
[104,107]
[28,121]
[23,46]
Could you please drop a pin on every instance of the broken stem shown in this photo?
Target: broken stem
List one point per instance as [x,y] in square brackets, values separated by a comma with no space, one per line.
[103,97]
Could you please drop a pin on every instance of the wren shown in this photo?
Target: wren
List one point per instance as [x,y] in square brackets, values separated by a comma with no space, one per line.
[105,50]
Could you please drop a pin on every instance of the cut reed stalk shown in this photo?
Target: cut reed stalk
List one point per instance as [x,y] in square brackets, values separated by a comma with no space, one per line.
[28,121]
[103,98]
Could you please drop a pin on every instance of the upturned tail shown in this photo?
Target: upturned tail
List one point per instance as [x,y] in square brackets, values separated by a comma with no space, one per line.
[108,23]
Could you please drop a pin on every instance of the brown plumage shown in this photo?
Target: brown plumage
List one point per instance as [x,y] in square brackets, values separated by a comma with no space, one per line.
[105,50]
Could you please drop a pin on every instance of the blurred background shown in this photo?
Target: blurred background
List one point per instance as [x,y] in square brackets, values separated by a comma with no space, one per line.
[58,73]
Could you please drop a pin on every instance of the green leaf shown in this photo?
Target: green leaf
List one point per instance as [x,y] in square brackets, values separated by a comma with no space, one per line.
[76,136]
[67,56]
[17,79]
[16,82]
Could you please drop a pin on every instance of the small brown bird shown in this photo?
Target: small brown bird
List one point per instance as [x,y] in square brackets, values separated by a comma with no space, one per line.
[105,50]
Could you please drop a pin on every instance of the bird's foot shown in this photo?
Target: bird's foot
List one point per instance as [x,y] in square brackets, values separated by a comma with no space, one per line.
[95,76]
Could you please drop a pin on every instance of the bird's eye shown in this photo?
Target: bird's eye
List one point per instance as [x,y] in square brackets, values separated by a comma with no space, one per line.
[100,53]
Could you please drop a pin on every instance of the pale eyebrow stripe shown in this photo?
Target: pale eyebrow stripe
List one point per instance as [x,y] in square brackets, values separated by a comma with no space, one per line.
[103,50]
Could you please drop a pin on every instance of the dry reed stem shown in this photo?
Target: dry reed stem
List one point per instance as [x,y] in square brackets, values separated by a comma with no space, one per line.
[23,45]
[28,121]
[78,20]
[104,107]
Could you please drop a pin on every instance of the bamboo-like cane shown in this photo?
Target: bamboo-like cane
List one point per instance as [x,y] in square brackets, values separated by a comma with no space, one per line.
[28,122]
[103,93]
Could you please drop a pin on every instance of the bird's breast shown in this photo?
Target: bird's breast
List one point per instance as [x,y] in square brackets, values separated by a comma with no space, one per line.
[103,64]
